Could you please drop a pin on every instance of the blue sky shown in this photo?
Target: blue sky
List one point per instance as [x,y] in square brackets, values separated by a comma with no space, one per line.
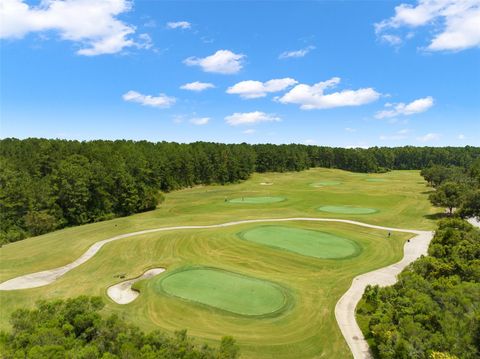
[346,73]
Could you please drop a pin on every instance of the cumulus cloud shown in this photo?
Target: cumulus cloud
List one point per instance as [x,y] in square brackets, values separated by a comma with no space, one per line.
[200,121]
[255,89]
[221,62]
[179,25]
[91,23]
[249,131]
[296,53]
[455,22]
[197,86]
[402,109]
[314,97]
[249,118]
[160,101]
[429,137]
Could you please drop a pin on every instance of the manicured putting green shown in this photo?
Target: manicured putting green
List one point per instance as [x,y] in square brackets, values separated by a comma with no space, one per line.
[347,210]
[325,183]
[303,241]
[376,180]
[257,200]
[225,290]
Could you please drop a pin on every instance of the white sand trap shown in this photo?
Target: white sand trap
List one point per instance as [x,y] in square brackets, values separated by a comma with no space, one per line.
[122,293]
[266,183]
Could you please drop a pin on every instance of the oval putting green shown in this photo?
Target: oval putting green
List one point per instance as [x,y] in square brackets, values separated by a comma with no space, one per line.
[257,200]
[347,210]
[303,241]
[376,180]
[325,183]
[225,290]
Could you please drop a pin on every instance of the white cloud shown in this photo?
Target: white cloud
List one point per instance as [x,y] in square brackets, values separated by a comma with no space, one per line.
[249,131]
[197,86]
[351,130]
[179,25]
[309,141]
[221,62]
[391,39]
[255,89]
[455,22]
[402,109]
[249,118]
[429,137]
[399,135]
[91,23]
[296,53]
[161,101]
[199,121]
[314,97]
[461,136]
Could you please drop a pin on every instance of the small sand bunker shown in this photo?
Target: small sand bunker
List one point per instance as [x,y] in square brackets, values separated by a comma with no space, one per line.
[122,293]
[347,210]
[257,200]
[266,183]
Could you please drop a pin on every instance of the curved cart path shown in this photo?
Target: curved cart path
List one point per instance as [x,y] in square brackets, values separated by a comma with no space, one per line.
[122,293]
[345,308]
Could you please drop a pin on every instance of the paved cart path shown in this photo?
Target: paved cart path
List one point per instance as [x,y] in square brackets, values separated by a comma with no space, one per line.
[344,310]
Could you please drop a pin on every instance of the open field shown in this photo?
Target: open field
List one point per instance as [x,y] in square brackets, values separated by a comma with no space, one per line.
[306,327]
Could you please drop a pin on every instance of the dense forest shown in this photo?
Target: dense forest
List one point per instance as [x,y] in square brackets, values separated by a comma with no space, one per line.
[50,184]
[433,311]
[73,328]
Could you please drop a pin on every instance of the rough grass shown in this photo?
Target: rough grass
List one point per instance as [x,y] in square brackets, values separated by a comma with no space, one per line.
[307,329]
[258,200]
[302,241]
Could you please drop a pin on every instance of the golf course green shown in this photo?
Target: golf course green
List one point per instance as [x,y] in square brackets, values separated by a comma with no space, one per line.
[224,290]
[325,183]
[303,241]
[258,200]
[376,180]
[347,210]
[297,270]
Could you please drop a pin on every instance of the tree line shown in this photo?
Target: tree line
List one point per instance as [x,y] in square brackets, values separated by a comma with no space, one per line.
[73,328]
[433,311]
[47,184]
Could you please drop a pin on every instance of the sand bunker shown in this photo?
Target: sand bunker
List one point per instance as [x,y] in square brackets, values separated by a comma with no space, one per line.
[347,210]
[122,293]
[266,183]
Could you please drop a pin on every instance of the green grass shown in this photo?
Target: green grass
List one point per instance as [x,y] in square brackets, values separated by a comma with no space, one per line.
[325,183]
[347,210]
[307,329]
[258,200]
[302,241]
[376,180]
[224,290]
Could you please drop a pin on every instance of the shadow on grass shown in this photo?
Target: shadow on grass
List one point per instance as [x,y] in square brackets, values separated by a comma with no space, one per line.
[436,216]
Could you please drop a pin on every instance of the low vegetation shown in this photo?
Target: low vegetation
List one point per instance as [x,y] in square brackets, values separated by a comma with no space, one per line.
[74,328]
[433,311]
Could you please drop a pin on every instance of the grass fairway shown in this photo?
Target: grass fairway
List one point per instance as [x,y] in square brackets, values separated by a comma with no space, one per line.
[347,210]
[224,290]
[302,241]
[307,329]
[258,200]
